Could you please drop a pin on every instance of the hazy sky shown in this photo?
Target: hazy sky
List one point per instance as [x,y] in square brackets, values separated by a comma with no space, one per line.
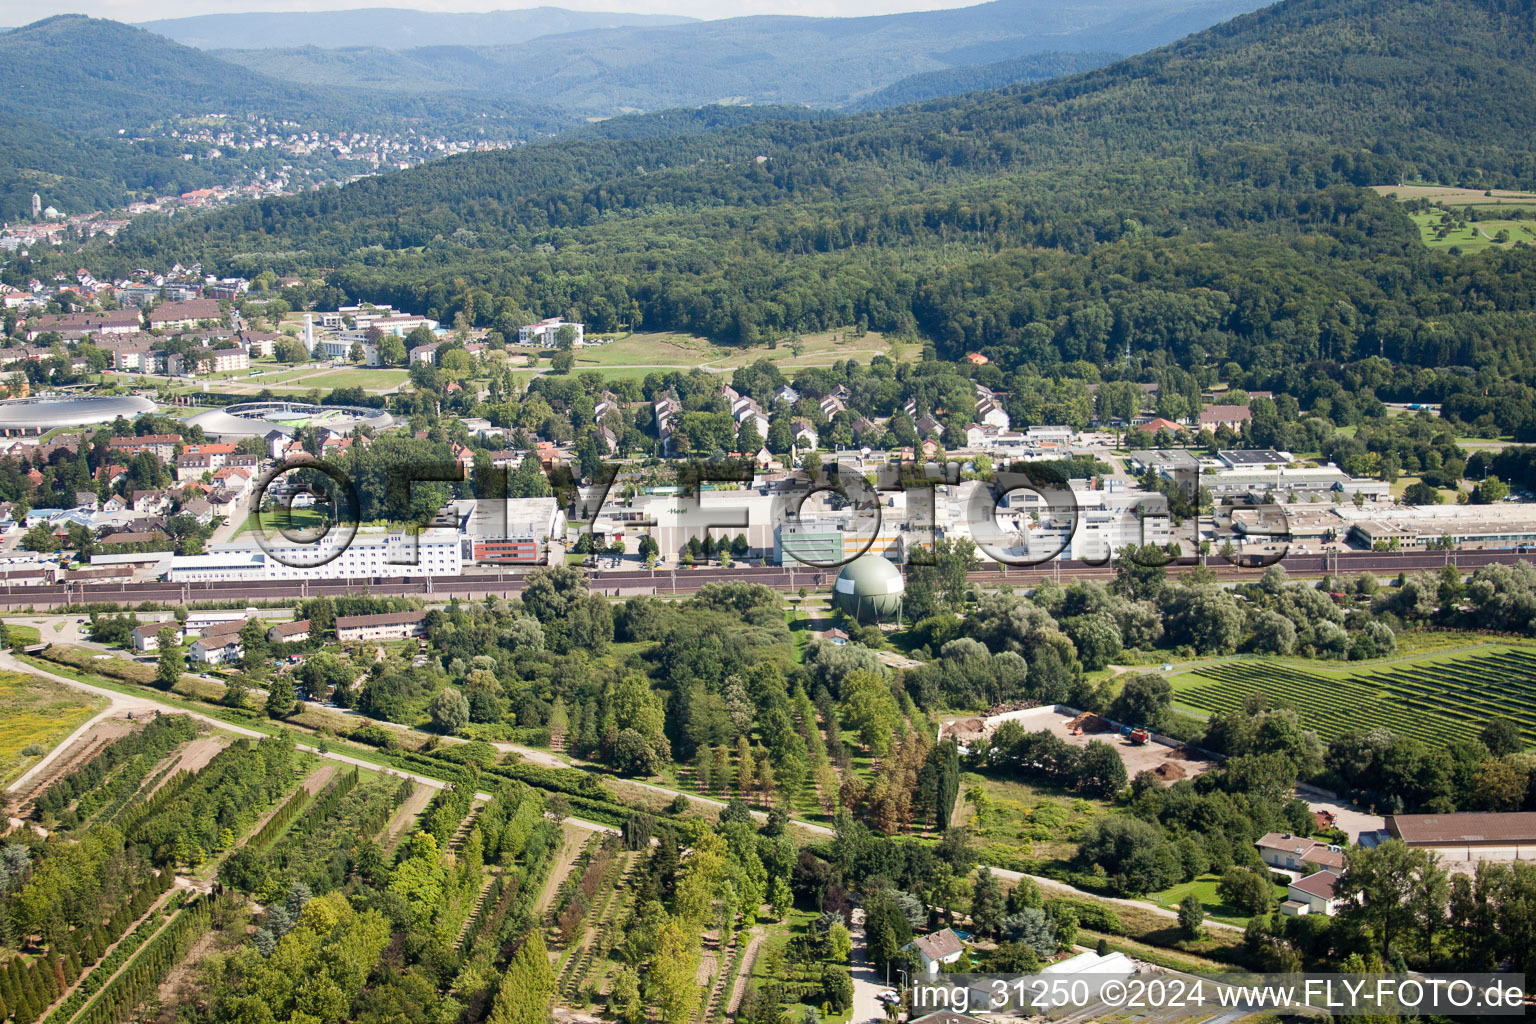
[20,12]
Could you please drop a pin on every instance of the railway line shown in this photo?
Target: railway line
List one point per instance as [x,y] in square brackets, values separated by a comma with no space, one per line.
[623,583]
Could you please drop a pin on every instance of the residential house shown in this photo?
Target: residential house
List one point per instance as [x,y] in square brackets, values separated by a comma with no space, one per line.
[1314,894]
[387,626]
[173,315]
[933,951]
[146,638]
[1297,853]
[150,503]
[988,411]
[161,446]
[233,478]
[804,434]
[200,509]
[289,632]
[218,644]
[1233,417]
[218,454]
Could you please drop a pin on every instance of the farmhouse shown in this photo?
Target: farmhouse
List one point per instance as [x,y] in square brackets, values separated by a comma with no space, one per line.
[388,626]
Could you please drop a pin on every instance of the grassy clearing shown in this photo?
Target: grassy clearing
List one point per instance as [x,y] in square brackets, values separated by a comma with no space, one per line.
[1402,483]
[1475,236]
[1204,889]
[653,351]
[35,716]
[1018,825]
[356,378]
[279,520]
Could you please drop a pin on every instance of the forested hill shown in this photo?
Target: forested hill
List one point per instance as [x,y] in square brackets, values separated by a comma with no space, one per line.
[825,62]
[88,108]
[388,27]
[1198,201]
[1375,78]
[928,85]
[89,74]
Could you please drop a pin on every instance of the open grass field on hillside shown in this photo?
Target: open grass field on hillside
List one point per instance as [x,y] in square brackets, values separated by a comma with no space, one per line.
[35,716]
[372,379]
[661,351]
[1474,236]
[1437,698]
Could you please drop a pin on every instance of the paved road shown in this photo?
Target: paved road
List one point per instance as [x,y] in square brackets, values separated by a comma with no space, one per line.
[866,981]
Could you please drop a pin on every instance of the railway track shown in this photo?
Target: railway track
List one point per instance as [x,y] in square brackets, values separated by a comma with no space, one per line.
[625,583]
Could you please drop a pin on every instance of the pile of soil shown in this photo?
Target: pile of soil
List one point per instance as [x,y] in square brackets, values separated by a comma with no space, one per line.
[1169,771]
[968,728]
[1090,722]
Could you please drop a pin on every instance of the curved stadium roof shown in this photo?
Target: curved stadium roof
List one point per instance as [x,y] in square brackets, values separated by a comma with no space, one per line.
[256,419]
[43,414]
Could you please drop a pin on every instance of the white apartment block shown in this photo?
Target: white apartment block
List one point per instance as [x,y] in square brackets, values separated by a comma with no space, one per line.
[543,333]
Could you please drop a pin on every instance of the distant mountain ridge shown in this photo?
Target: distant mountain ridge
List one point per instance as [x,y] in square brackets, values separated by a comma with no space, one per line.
[80,130]
[389,28]
[825,62]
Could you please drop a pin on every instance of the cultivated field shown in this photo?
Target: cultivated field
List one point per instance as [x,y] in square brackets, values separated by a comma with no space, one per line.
[1449,195]
[35,716]
[1438,700]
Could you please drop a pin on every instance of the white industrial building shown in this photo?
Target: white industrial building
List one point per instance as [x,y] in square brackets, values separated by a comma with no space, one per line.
[511,530]
[371,553]
[1081,523]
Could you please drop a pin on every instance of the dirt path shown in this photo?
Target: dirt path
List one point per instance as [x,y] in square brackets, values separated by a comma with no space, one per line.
[192,758]
[401,823]
[744,969]
[172,989]
[73,752]
[58,751]
[572,842]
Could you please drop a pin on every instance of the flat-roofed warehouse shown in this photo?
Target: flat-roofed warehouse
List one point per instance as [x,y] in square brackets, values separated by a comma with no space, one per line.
[20,417]
[1463,526]
[1472,835]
